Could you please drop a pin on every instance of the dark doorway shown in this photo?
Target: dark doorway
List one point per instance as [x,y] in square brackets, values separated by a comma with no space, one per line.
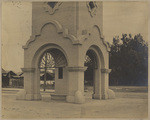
[89,74]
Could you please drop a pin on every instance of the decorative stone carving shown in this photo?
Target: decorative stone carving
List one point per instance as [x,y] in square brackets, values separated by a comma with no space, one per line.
[60,30]
[51,7]
[102,37]
[92,7]
[105,70]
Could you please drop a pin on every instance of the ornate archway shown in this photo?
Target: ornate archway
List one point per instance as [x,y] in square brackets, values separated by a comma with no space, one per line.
[95,63]
[67,41]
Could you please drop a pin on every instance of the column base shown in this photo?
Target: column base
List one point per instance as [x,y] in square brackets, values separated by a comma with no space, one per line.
[22,95]
[77,98]
[70,99]
[105,96]
[111,94]
[37,97]
[96,96]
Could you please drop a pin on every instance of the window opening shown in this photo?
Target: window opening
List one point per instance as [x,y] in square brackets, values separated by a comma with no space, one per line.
[60,73]
[91,4]
[52,4]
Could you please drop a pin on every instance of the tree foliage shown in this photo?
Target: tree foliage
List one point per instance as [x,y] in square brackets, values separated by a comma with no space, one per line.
[129,60]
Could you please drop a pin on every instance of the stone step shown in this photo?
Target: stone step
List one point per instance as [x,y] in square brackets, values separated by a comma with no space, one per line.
[58,97]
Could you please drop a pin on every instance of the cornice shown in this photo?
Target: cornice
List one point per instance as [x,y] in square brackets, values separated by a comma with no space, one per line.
[105,70]
[64,32]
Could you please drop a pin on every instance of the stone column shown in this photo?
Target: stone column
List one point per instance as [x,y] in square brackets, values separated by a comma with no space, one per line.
[105,82]
[28,93]
[97,84]
[36,84]
[75,84]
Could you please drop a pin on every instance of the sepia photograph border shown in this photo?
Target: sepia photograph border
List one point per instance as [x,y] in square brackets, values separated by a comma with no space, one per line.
[82,0]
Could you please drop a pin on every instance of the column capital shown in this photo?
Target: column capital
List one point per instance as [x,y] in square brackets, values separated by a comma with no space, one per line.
[76,69]
[28,69]
[105,70]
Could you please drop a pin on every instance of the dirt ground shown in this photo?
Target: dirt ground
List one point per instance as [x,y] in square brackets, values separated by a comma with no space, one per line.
[130,102]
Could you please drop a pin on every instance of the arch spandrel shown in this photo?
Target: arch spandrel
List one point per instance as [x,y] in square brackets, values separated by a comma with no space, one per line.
[46,38]
[97,32]
[59,28]
[99,48]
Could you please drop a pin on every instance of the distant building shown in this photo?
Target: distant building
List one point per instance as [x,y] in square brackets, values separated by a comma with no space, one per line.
[12,79]
[5,78]
[17,80]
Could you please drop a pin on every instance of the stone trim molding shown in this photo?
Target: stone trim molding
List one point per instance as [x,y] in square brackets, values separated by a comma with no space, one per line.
[76,69]
[28,69]
[50,10]
[105,70]
[60,30]
[102,37]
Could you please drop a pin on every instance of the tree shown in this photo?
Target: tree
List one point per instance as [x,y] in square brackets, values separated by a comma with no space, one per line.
[129,60]
[46,62]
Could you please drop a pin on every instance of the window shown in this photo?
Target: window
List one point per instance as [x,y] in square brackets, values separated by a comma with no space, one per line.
[60,73]
[52,4]
[51,7]
[92,7]
[91,4]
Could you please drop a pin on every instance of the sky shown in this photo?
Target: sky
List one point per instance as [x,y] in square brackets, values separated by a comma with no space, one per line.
[118,18]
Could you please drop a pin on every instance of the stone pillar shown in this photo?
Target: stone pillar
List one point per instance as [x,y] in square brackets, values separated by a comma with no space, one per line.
[105,82]
[36,84]
[28,93]
[97,84]
[75,84]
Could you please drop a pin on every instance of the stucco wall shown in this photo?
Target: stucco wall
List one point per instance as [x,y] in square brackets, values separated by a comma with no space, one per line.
[86,21]
[65,15]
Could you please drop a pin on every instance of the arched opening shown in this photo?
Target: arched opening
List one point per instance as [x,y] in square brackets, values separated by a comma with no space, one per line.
[51,65]
[89,75]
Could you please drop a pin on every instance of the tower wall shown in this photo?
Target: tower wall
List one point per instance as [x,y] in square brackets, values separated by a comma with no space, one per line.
[65,15]
[73,28]
[87,19]
[75,16]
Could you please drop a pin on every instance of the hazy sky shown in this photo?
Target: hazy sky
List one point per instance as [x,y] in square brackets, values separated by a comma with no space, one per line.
[119,17]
